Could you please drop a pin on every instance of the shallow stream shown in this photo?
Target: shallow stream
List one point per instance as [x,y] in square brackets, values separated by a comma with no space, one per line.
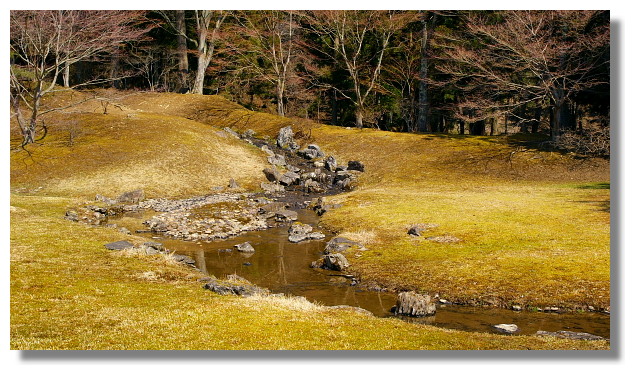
[283,267]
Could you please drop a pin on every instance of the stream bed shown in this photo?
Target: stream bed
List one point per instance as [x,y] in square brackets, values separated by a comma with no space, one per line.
[283,267]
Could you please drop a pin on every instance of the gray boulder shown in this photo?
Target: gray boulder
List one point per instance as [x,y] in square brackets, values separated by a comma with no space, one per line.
[335,262]
[289,178]
[277,159]
[245,247]
[272,174]
[286,215]
[285,139]
[271,188]
[330,164]
[312,151]
[413,304]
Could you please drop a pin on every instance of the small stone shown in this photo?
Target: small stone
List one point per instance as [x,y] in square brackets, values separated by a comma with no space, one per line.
[506,328]
[232,184]
[245,247]
[517,308]
[355,165]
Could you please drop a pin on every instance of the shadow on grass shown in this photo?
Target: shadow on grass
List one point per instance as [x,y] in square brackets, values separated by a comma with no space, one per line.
[595,186]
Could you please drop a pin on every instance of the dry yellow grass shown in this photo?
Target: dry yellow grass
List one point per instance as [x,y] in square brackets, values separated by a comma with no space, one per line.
[69,293]
[534,226]
[534,231]
[167,156]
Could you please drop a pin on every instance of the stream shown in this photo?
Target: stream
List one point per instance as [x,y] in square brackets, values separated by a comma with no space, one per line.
[283,267]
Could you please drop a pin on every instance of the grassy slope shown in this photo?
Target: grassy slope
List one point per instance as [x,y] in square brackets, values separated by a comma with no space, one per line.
[127,149]
[68,292]
[534,226]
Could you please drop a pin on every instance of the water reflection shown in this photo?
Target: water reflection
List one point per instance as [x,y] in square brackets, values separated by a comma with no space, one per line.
[283,267]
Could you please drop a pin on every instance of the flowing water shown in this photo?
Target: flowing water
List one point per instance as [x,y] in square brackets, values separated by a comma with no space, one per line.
[283,267]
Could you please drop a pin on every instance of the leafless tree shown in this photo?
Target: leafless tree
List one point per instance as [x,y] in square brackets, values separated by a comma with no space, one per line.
[531,56]
[346,37]
[268,47]
[45,43]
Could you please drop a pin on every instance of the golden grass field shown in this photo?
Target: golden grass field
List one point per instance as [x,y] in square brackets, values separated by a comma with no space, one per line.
[533,230]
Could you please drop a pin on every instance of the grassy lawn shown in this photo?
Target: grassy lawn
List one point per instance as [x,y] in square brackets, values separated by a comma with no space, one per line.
[533,229]
[69,292]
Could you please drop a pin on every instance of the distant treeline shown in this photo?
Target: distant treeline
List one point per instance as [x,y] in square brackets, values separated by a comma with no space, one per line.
[467,72]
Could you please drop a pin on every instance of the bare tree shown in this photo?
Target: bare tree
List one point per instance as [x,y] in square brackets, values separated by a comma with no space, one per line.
[346,39]
[207,36]
[175,23]
[44,43]
[268,48]
[531,56]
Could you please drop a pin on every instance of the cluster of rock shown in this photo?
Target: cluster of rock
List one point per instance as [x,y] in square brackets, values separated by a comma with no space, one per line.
[234,285]
[299,232]
[307,169]
[216,223]
[333,258]
[150,248]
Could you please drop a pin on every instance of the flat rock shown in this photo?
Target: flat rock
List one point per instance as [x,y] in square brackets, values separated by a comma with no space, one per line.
[506,328]
[571,335]
[118,245]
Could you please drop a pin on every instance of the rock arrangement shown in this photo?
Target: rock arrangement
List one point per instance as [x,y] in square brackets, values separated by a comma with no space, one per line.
[234,285]
[333,259]
[309,169]
[217,222]
[299,232]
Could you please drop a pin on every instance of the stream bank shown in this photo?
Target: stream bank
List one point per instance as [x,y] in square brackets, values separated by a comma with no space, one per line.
[209,230]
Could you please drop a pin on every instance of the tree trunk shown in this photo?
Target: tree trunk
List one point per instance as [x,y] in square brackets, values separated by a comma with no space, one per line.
[182,51]
[555,122]
[423,105]
[334,109]
[359,118]
[199,80]
[280,98]
[66,76]
[536,123]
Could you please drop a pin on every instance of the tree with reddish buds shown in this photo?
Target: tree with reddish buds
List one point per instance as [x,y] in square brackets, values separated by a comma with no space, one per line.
[499,62]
